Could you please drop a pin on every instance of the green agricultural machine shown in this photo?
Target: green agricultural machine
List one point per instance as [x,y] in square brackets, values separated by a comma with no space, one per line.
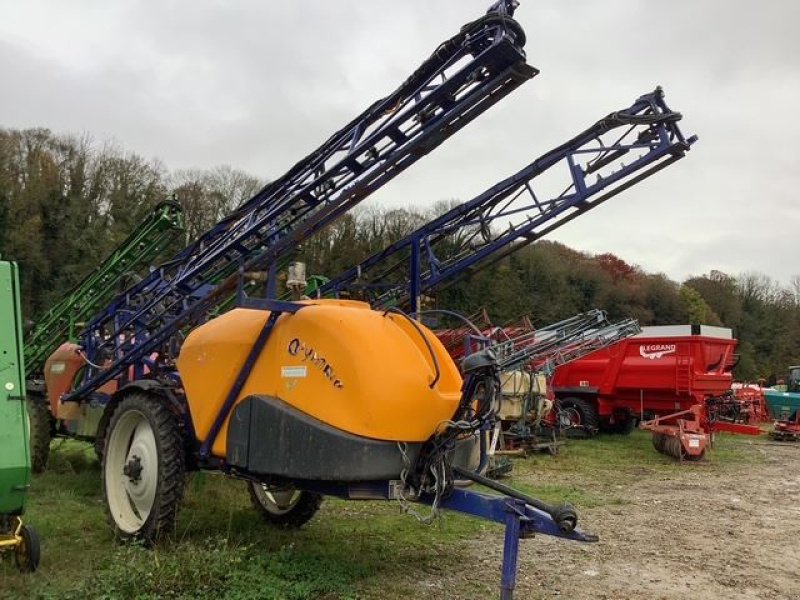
[784,406]
[15,459]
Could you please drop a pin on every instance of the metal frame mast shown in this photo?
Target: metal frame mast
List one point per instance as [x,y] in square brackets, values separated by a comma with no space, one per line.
[465,76]
[512,214]
[147,241]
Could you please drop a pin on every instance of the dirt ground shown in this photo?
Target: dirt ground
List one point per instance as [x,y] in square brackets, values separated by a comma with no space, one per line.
[700,534]
[724,528]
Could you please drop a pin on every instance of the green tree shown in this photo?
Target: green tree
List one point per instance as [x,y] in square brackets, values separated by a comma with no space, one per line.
[698,310]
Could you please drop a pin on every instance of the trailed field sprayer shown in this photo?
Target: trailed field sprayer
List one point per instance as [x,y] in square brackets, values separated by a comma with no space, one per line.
[528,357]
[529,361]
[15,466]
[301,400]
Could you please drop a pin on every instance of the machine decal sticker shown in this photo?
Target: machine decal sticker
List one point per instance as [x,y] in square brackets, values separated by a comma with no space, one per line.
[307,353]
[294,372]
[656,351]
[57,368]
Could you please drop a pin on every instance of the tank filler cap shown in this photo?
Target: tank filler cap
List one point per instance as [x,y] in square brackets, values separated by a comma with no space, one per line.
[296,275]
[296,279]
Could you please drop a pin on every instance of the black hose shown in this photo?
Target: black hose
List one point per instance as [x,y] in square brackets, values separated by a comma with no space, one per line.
[449,313]
[565,516]
[394,309]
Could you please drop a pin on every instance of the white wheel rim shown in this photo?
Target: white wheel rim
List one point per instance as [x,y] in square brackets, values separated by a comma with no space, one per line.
[131,471]
[570,417]
[277,501]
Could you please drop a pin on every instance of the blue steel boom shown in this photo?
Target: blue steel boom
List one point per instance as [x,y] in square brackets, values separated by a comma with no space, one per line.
[464,238]
[465,76]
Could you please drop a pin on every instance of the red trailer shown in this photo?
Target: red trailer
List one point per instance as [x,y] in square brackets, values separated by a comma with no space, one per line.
[658,372]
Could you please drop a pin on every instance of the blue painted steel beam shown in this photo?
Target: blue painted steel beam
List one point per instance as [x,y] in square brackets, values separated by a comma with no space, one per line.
[511,214]
[276,308]
[464,77]
[520,520]
[491,507]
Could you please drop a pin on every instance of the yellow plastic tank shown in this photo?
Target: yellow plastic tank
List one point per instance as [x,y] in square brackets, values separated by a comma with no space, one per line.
[361,371]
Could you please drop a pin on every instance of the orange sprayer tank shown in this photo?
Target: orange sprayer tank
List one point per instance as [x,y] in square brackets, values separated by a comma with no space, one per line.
[363,372]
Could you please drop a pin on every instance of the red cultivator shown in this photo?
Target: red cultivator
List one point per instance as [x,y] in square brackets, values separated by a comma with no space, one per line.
[685,435]
[787,430]
[680,434]
[744,404]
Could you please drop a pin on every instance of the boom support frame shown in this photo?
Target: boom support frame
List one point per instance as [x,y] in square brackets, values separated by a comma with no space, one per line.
[463,240]
[465,76]
[63,321]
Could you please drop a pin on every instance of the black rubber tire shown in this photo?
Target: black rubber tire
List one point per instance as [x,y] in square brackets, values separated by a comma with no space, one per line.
[41,431]
[589,419]
[28,553]
[298,515]
[625,426]
[102,428]
[171,460]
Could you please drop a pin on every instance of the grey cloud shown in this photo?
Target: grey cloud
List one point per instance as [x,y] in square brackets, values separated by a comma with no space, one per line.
[258,85]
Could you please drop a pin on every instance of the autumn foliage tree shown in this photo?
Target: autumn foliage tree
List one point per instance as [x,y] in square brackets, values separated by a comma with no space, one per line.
[67,201]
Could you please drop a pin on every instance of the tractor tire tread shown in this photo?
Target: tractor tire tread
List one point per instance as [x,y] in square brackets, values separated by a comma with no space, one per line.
[306,507]
[172,467]
[28,555]
[589,416]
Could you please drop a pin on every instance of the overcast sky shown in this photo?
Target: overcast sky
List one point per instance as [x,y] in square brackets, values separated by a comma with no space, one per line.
[259,84]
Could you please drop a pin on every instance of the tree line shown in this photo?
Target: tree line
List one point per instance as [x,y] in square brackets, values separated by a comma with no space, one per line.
[67,201]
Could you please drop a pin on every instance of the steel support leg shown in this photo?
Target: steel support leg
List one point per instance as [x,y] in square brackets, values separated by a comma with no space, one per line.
[511,548]
[521,520]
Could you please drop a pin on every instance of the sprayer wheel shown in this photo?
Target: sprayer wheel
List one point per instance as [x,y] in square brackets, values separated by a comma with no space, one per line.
[284,506]
[28,551]
[143,468]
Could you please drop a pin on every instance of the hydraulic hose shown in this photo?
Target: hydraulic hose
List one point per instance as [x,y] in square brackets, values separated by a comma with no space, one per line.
[565,516]
[437,371]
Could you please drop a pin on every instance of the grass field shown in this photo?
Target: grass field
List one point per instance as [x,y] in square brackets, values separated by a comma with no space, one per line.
[369,550]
